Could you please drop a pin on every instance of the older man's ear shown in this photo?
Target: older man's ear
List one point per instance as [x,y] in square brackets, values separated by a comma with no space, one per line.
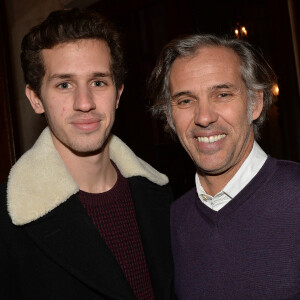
[257,105]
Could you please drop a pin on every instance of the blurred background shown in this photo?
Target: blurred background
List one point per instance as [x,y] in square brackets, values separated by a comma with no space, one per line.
[147,25]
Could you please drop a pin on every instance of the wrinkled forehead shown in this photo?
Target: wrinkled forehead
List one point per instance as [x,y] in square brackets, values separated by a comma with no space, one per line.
[212,54]
[209,65]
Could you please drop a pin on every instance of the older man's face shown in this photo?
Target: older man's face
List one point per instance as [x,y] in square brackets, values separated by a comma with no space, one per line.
[210,110]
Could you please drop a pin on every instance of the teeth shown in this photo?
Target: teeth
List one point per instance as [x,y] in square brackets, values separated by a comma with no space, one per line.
[211,139]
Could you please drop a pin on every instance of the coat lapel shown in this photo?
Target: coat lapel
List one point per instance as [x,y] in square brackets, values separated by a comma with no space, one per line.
[68,236]
[152,212]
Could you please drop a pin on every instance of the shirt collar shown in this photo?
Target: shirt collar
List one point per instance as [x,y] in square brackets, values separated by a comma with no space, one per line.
[243,176]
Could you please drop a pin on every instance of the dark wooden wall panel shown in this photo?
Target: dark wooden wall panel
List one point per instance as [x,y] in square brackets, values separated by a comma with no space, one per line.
[7,145]
[149,24]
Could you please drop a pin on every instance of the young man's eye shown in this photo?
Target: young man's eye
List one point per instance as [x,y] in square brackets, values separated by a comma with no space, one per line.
[98,83]
[64,85]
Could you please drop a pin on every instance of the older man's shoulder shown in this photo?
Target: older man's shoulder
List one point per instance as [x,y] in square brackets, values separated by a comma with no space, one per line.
[185,202]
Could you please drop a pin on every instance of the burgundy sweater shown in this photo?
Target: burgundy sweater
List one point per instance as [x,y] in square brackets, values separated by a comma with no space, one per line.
[113,215]
[250,249]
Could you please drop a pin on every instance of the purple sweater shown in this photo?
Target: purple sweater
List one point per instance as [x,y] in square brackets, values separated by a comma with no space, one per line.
[250,249]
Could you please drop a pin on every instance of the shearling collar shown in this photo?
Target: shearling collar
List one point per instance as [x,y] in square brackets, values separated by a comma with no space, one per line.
[39,181]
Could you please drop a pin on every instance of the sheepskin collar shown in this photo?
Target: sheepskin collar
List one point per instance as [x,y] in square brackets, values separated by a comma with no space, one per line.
[39,181]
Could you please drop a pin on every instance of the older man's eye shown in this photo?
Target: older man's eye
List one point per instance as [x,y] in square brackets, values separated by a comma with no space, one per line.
[184,102]
[223,95]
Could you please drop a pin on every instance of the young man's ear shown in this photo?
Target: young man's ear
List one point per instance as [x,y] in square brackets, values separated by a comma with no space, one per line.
[257,105]
[119,93]
[34,100]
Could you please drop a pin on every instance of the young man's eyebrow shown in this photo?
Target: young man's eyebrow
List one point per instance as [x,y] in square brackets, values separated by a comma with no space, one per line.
[59,76]
[69,75]
[100,74]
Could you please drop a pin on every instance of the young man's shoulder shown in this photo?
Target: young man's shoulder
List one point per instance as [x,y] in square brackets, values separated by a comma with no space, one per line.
[3,193]
[5,220]
[142,187]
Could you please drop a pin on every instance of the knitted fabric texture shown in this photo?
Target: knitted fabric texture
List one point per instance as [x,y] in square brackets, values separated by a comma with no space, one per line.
[250,249]
[113,214]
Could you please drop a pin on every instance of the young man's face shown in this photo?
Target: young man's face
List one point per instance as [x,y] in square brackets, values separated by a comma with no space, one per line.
[78,95]
[210,109]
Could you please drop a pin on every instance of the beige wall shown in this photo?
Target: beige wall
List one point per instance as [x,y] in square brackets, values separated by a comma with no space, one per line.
[22,15]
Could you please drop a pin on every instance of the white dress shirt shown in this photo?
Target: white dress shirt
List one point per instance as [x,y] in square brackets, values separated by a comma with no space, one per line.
[243,176]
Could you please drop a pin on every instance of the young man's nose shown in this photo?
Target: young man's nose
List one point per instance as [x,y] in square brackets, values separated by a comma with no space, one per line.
[84,100]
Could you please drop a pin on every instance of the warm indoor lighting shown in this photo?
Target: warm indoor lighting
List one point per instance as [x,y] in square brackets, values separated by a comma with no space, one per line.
[275,90]
[243,29]
[240,31]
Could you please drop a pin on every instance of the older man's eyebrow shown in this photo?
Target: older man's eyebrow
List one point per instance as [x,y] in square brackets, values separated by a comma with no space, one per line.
[210,89]
[222,86]
[183,93]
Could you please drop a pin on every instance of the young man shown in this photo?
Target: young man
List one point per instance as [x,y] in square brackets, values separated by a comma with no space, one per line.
[236,234]
[81,216]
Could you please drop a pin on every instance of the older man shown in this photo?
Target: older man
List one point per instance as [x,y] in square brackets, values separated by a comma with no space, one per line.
[236,234]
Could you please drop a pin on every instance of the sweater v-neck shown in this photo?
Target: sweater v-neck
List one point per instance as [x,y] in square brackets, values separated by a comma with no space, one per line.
[215,217]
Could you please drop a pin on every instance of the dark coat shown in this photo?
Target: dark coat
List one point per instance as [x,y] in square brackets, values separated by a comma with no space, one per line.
[61,255]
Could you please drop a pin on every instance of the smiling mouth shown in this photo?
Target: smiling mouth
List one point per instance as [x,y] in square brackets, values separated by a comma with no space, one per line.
[210,139]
